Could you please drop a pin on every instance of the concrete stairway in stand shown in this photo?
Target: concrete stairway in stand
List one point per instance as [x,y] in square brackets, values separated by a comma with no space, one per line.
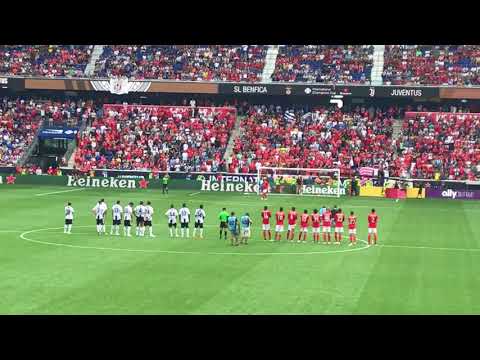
[236,132]
[90,68]
[397,128]
[270,60]
[377,69]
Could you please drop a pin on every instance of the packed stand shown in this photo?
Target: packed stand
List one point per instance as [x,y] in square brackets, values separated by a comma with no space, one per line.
[439,146]
[324,63]
[157,138]
[183,62]
[432,65]
[44,60]
[322,138]
[21,118]
[19,121]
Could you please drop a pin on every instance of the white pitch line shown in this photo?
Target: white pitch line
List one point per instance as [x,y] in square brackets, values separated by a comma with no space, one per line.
[195,193]
[22,236]
[59,192]
[427,247]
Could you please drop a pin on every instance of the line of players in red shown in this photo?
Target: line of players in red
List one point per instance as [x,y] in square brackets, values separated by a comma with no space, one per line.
[326,217]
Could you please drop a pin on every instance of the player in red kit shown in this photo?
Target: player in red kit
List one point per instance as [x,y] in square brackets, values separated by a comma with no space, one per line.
[339,219]
[292,222]
[265,187]
[326,223]
[266,215]
[352,228]
[316,226]
[372,227]
[303,226]
[280,218]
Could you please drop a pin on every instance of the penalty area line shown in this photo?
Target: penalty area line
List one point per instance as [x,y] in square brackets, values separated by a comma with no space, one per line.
[59,192]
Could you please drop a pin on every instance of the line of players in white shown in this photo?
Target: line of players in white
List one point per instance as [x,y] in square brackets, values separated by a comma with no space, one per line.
[143,215]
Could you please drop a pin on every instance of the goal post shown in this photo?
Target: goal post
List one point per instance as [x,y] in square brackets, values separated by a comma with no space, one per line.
[301,181]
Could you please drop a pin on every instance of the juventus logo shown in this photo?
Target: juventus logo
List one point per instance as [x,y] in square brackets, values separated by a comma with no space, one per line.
[372,91]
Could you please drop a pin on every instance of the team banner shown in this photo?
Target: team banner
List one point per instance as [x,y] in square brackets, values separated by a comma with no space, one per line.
[63,133]
[403,92]
[314,89]
[293,89]
[453,194]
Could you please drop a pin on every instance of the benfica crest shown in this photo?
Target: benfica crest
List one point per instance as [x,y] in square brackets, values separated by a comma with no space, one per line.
[120,85]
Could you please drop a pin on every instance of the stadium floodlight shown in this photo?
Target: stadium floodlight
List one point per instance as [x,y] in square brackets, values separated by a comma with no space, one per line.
[301,181]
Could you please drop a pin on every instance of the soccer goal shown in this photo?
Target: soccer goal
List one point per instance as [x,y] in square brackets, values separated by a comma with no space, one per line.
[301,181]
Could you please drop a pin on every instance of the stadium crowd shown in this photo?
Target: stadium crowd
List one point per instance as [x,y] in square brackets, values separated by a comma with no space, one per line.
[322,138]
[21,118]
[439,145]
[324,63]
[183,62]
[431,65]
[431,145]
[44,60]
[157,138]
[403,64]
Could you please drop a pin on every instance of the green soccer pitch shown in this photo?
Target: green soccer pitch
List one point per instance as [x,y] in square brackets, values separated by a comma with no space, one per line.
[427,260]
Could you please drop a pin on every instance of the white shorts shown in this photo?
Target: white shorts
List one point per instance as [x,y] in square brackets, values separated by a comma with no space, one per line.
[339,229]
[279,228]
[352,231]
[264,191]
[315,230]
[265,227]
[326,229]
[291,227]
[304,229]
[246,232]
[372,230]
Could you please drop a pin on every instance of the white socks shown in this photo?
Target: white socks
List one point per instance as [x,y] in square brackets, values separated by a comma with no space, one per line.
[182,230]
[171,232]
[201,232]
[69,229]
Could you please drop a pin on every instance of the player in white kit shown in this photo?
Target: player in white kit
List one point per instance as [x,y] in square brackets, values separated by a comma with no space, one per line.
[140,215]
[100,210]
[149,217]
[172,214]
[199,220]
[184,220]
[127,219]
[116,218]
[67,229]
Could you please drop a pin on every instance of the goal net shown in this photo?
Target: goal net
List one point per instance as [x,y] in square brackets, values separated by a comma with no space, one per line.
[300,181]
